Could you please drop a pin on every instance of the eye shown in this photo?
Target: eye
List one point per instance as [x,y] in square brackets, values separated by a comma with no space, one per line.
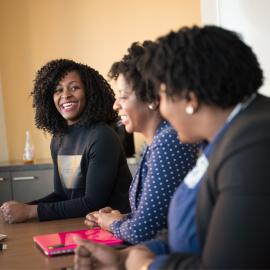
[57,90]
[123,97]
[74,88]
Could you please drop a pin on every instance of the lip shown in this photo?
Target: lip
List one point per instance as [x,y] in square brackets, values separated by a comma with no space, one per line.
[123,119]
[67,102]
[67,107]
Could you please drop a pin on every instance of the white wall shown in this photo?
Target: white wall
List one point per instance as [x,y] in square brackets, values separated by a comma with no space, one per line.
[250,18]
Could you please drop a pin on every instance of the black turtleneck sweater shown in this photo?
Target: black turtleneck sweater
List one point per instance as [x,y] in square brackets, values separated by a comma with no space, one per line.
[90,172]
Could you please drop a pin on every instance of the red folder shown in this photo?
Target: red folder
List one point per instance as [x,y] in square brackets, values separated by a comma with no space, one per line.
[62,242]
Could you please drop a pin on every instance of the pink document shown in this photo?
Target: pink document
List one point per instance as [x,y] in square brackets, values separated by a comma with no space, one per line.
[62,242]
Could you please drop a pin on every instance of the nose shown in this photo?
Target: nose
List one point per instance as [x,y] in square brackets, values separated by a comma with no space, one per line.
[116,105]
[65,93]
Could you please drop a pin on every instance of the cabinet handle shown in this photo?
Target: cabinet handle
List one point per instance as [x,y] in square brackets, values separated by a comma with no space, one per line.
[2,179]
[24,178]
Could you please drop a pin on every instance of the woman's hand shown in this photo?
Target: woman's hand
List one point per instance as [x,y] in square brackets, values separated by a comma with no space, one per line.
[14,212]
[104,220]
[95,256]
[91,219]
[139,256]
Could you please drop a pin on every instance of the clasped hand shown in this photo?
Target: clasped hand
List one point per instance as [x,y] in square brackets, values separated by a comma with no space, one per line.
[103,218]
[13,211]
[95,256]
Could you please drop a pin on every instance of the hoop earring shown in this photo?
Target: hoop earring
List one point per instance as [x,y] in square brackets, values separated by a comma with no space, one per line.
[189,110]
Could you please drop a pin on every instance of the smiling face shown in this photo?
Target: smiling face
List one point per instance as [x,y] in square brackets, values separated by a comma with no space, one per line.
[133,112]
[69,97]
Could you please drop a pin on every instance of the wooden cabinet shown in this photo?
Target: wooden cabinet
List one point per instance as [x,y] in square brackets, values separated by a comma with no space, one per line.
[5,187]
[32,184]
[25,183]
[28,182]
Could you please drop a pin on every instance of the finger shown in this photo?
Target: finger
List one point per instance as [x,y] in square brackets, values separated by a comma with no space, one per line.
[90,224]
[100,252]
[91,218]
[3,207]
[78,266]
[11,220]
[82,251]
[83,259]
[90,215]
[8,219]
[1,210]
[100,218]
[6,211]
[4,204]
[96,215]
[105,210]
[116,211]
[5,216]
[103,214]
[109,217]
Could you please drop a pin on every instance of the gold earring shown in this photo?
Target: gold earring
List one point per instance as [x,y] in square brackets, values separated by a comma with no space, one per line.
[189,110]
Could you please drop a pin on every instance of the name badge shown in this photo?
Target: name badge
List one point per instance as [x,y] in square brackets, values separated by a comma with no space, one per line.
[196,174]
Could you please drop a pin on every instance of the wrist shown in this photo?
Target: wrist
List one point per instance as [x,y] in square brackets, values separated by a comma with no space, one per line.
[32,211]
[147,264]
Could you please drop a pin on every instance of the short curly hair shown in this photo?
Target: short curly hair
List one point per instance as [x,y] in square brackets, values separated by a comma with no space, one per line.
[99,96]
[210,61]
[130,68]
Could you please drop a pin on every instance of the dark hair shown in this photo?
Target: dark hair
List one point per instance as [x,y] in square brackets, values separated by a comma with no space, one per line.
[99,96]
[130,68]
[212,62]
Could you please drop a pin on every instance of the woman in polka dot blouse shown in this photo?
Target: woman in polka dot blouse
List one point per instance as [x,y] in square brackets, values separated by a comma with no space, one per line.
[164,163]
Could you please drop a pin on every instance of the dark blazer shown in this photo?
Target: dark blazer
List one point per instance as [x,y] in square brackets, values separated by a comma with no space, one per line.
[233,207]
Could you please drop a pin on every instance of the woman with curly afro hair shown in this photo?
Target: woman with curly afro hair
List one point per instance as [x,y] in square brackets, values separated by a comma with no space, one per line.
[165,160]
[74,103]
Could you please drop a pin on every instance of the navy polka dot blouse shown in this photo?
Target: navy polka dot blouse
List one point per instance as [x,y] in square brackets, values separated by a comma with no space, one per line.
[163,166]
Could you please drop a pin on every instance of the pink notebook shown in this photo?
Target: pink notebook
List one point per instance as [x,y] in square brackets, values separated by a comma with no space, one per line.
[62,242]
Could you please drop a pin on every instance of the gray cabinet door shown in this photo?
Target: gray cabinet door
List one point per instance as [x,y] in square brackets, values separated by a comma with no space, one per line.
[30,185]
[5,187]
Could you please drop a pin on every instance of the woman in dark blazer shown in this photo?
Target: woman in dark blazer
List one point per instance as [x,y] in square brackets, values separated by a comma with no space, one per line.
[208,80]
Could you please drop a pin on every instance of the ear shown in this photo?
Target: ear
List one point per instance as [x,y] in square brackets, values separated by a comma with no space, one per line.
[153,105]
[192,101]
[162,88]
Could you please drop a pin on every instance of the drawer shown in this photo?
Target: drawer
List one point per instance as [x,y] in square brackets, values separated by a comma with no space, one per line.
[32,184]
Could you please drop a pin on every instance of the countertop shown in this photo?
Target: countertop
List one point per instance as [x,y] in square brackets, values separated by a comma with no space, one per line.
[20,165]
